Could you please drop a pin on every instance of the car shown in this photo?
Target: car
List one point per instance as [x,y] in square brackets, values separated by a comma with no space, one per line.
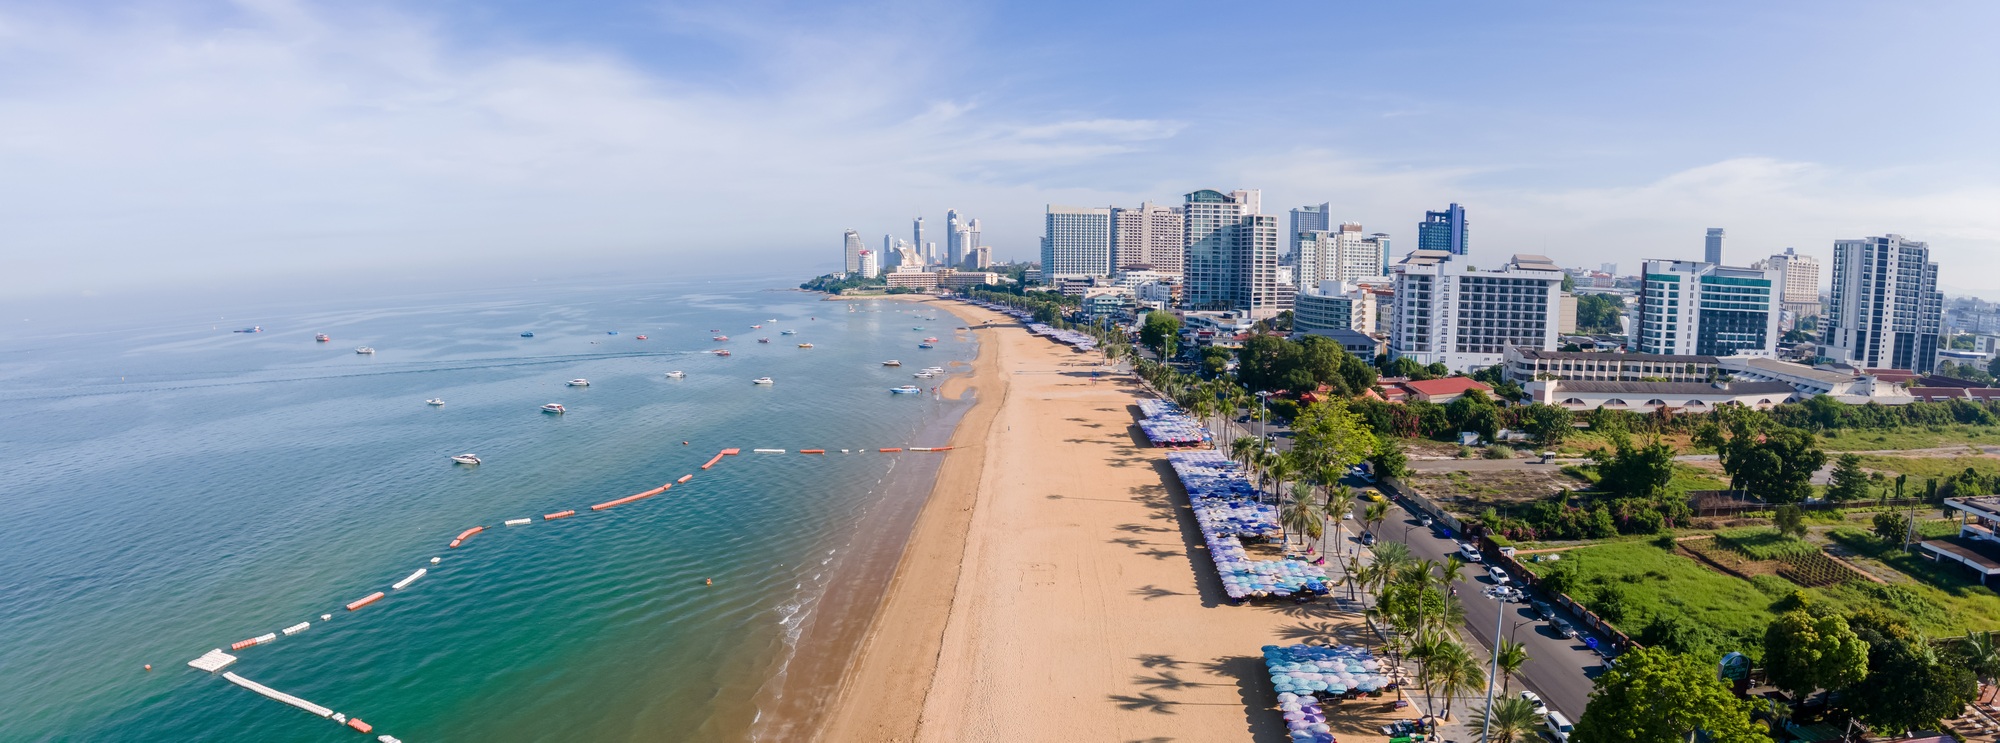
[1498,575]
[1543,609]
[1562,628]
[1426,521]
[1373,496]
[1558,726]
[1536,700]
[1469,552]
[1368,537]
[1349,516]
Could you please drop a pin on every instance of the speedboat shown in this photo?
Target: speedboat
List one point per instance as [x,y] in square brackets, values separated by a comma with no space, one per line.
[772,320]
[927,345]
[434,401]
[754,327]
[923,375]
[642,337]
[919,327]
[466,459]
[321,337]
[720,338]
[256,329]
[761,380]
[908,389]
[579,383]
[932,339]
[721,352]
[610,332]
[677,374]
[763,340]
[789,332]
[365,350]
[554,407]
[805,345]
[892,362]
[529,334]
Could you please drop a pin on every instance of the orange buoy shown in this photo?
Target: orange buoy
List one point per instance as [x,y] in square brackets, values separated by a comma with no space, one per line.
[731,452]
[149,666]
[464,535]
[812,451]
[685,478]
[559,515]
[684,443]
[357,724]
[892,449]
[708,581]
[365,600]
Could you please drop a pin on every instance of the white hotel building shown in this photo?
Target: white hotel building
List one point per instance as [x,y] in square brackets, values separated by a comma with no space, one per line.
[1467,319]
[1076,243]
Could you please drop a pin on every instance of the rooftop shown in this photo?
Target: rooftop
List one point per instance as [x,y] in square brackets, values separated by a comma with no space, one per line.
[1678,388]
[1447,386]
[1637,358]
[1774,366]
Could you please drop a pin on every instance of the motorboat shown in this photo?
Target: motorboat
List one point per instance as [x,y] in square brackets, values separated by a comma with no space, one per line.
[529,334]
[789,332]
[918,327]
[934,369]
[642,337]
[610,332]
[720,338]
[763,340]
[321,337]
[365,350]
[255,329]
[761,380]
[932,339]
[554,407]
[927,345]
[923,375]
[435,401]
[892,362]
[579,383]
[677,374]
[772,320]
[757,326]
[721,352]
[805,345]
[908,389]
[466,459]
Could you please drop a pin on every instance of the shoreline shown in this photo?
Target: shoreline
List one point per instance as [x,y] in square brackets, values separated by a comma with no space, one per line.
[901,642]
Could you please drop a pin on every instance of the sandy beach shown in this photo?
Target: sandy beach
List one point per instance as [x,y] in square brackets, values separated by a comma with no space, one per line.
[1055,587]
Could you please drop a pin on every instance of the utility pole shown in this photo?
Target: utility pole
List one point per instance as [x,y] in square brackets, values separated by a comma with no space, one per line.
[1493,674]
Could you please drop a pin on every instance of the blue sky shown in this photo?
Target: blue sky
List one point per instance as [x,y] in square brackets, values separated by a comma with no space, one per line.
[202,142]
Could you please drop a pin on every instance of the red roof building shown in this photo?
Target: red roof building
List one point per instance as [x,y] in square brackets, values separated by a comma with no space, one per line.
[1437,391]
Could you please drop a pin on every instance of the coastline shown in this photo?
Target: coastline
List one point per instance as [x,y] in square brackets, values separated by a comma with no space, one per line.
[879,696]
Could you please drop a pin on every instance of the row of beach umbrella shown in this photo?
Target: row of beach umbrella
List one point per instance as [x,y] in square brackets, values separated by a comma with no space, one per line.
[1225,511]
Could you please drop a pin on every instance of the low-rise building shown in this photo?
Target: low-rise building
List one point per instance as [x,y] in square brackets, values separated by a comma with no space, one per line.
[1435,391]
[1975,546]
[1528,364]
[1362,345]
[1646,397]
[912,277]
[1808,381]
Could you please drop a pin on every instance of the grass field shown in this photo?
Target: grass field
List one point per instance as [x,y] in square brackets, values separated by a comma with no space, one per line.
[1764,544]
[1910,438]
[1920,468]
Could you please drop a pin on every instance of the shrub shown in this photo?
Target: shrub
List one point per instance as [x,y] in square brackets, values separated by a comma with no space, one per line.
[1465,452]
[1498,451]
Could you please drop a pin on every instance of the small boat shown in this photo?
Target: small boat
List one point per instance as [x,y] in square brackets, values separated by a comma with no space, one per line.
[677,374]
[434,401]
[789,332]
[720,338]
[772,320]
[908,389]
[763,340]
[466,459]
[365,350]
[927,345]
[805,345]
[761,380]
[919,327]
[554,407]
[721,352]
[256,329]
[529,334]
[892,362]
[754,327]
[321,337]
[932,339]
[579,383]
[610,332]
[642,337]
[923,375]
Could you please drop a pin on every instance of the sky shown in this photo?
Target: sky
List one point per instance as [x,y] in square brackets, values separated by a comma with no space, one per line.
[272,142]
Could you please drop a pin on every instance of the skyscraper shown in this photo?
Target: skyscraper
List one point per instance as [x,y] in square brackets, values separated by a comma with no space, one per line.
[1801,281]
[1306,219]
[1231,252]
[1076,243]
[1702,309]
[851,252]
[869,267]
[1342,254]
[972,241]
[1885,311]
[1446,230]
[917,239]
[1149,235]
[954,238]
[1712,246]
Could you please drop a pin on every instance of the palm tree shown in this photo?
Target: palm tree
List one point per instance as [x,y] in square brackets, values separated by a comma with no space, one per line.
[1426,648]
[1377,512]
[1339,503]
[1511,720]
[1393,555]
[1454,564]
[1981,655]
[1279,468]
[1512,657]
[1300,514]
[1458,674]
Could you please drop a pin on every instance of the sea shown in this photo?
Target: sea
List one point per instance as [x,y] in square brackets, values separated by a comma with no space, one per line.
[169,486]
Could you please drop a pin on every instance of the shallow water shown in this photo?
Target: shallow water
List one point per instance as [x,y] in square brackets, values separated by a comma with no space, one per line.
[173,487]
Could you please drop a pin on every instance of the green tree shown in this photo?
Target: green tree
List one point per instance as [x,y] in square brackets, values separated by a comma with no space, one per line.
[1373,517]
[1654,696]
[1160,332]
[1790,520]
[1548,423]
[1776,465]
[1923,691]
[1474,411]
[1598,313]
[1389,459]
[1804,653]
[1513,657]
[1510,720]
[1635,471]
[1328,435]
[1891,527]
[1849,482]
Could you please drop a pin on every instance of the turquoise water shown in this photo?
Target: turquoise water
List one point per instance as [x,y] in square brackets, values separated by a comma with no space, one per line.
[173,487]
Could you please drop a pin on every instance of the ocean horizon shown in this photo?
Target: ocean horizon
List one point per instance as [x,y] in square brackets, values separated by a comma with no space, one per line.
[175,486]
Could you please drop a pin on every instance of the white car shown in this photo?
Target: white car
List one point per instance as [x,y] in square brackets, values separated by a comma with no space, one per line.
[1469,552]
[1536,699]
[1499,576]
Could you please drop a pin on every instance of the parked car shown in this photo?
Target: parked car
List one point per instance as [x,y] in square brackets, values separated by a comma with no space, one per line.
[1536,700]
[1562,627]
[1498,575]
[1544,610]
[1469,552]
[1368,537]
[1558,726]
[1427,521]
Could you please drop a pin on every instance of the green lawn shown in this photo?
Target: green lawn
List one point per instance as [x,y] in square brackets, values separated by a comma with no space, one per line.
[1909,438]
[1652,581]
[1920,468]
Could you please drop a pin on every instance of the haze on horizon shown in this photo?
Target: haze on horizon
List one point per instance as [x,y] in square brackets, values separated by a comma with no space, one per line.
[154,143]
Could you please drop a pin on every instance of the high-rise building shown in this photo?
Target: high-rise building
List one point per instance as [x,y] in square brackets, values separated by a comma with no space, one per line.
[981,258]
[1230,258]
[1801,296]
[1446,230]
[1076,243]
[1378,244]
[917,239]
[954,238]
[869,267]
[1885,311]
[851,250]
[1149,236]
[1465,319]
[1333,305]
[1342,254]
[1702,309]
[973,240]
[1306,219]
[1712,246]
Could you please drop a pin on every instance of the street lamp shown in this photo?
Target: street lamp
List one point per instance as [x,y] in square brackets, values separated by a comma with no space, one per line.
[1262,415]
[1493,674]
